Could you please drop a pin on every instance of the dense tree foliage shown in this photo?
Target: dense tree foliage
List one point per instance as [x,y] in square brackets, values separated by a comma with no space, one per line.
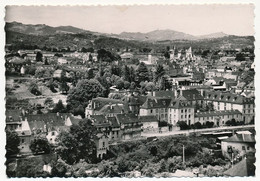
[40,144]
[78,143]
[84,91]
[12,143]
[142,73]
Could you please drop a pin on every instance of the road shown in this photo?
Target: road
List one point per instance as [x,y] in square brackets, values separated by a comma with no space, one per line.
[196,131]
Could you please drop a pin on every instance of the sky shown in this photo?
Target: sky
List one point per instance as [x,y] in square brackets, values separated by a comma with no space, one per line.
[191,19]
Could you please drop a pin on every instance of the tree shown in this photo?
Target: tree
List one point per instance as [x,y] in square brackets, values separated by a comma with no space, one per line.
[197,125]
[33,88]
[48,103]
[40,144]
[240,57]
[127,84]
[59,168]
[12,143]
[59,107]
[142,73]
[120,84]
[79,111]
[209,124]
[183,125]
[126,73]
[78,142]
[39,57]
[64,88]
[159,72]
[150,86]
[84,91]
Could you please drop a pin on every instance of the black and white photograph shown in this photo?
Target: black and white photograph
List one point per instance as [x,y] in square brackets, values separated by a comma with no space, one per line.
[129,91]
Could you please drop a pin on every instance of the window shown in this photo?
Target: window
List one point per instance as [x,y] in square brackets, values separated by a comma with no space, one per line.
[243,148]
[181,110]
[22,140]
[103,144]
[151,111]
[181,116]
[248,148]
[53,133]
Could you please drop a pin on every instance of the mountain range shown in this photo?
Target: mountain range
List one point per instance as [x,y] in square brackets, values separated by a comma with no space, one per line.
[157,35]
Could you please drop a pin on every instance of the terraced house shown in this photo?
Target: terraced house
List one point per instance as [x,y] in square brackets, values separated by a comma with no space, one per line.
[218,117]
[228,101]
[156,106]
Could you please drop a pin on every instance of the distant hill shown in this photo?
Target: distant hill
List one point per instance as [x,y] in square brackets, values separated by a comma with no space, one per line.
[213,35]
[41,29]
[22,36]
[157,35]
[163,35]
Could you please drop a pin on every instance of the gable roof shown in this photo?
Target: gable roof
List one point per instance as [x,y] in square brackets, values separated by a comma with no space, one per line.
[46,121]
[241,138]
[149,118]
[227,97]
[217,113]
[113,108]
[127,118]
[156,102]
[245,167]
[100,102]
[192,94]
[13,115]
[178,104]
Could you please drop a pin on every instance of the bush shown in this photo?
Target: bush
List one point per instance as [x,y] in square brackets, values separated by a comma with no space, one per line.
[183,125]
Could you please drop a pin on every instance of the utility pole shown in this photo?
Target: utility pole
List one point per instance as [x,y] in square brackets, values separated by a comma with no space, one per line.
[183,154]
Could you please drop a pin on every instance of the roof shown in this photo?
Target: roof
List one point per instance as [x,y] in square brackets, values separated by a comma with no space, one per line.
[217,113]
[169,94]
[227,97]
[241,138]
[183,173]
[245,167]
[113,108]
[178,104]
[113,122]
[13,115]
[100,102]
[46,121]
[100,121]
[126,55]
[16,60]
[192,94]
[127,118]
[156,102]
[149,118]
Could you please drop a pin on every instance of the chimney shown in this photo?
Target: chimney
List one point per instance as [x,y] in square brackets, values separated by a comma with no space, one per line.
[58,114]
[181,92]
[175,93]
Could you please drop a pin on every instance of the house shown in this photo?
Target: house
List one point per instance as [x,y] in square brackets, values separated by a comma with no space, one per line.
[102,146]
[149,123]
[108,126]
[16,121]
[228,101]
[218,117]
[241,143]
[62,60]
[157,106]
[180,110]
[126,57]
[96,104]
[111,110]
[57,73]
[130,125]
[244,168]
[50,124]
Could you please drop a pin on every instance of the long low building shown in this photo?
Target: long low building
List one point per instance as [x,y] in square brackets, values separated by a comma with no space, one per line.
[218,117]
